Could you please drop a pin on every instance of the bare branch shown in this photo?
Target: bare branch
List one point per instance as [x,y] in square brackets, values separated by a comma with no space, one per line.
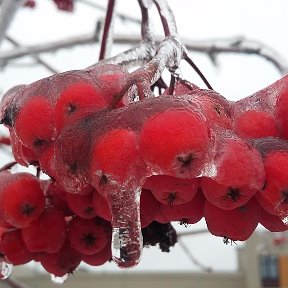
[37,58]
[15,284]
[7,13]
[107,37]
[142,53]
[202,267]
[211,48]
[167,18]
[48,47]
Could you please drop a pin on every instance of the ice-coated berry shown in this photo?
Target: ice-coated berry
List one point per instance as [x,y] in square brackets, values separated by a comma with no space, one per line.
[236,224]
[88,236]
[34,125]
[21,199]
[171,190]
[175,143]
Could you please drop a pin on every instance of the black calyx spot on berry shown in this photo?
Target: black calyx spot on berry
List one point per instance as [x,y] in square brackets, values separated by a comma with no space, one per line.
[233,193]
[71,108]
[89,239]
[73,168]
[171,198]
[38,143]
[184,222]
[103,180]
[9,116]
[186,161]
[227,241]
[89,210]
[27,209]
[284,197]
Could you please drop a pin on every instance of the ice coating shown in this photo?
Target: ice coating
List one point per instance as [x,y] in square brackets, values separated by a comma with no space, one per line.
[6,269]
[127,242]
[263,100]
[59,280]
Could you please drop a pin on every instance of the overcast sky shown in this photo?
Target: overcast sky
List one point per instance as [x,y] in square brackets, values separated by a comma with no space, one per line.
[235,76]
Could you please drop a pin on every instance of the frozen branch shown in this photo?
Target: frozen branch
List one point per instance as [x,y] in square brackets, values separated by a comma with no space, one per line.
[211,48]
[144,51]
[15,284]
[167,18]
[48,47]
[7,13]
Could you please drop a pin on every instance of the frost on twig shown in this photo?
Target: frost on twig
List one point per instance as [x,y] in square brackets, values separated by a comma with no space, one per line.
[144,51]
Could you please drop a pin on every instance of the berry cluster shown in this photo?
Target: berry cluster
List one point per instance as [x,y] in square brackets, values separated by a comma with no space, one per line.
[118,163]
[65,5]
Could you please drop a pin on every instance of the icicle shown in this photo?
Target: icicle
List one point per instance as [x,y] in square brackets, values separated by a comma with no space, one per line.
[6,269]
[59,280]
[127,241]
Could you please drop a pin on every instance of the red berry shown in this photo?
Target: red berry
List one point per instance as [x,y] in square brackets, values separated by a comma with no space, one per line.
[281,111]
[271,222]
[175,142]
[255,124]
[47,233]
[236,224]
[56,198]
[14,249]
[34,125]
[273,197]
[21,199]
[115,156]
[81,205]
[171,190]
[76,101]
[225,197]
[187,213]
[101,206]
[63,262]
[87,236]
[238,165]
[149,207]
[111,80]
[100,257]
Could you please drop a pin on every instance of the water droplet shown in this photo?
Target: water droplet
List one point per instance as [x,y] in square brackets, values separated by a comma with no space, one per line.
[127,242]
[6,270]
[59,280]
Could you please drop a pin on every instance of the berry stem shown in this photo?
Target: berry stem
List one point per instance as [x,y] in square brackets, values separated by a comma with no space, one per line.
[167,18]
[107,37]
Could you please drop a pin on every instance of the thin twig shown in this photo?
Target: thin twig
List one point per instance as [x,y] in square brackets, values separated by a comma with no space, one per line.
[15,284]
[37,58]
[202,267]
[107,36]
[198,71]
[140,54]
[167,18]
[5,140]
[8,166]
